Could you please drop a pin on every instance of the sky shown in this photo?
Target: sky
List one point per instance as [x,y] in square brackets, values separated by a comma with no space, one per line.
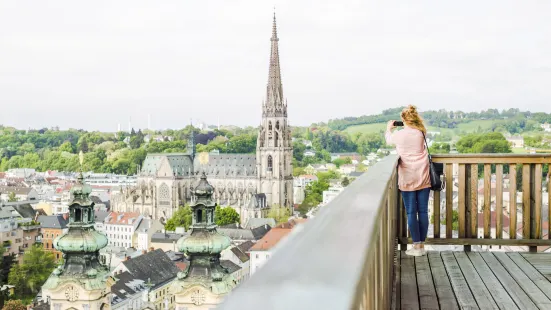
[96,64]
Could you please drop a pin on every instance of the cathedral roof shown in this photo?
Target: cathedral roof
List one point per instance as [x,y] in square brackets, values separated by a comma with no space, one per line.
[214,165]
[229,165]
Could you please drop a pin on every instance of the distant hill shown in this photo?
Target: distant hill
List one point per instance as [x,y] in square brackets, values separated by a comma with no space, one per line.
[512,121]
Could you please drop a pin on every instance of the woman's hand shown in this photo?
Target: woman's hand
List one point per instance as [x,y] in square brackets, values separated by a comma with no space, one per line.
[390,125]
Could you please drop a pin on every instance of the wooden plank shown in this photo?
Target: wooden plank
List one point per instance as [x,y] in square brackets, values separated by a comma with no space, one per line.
[487,200]
[461,201]
[537,296]
[537,193]
[463,294]
[449,200]
[498,292]
[480,292]
[542,262]
[526,201]
[492,158]
[515,291]
[409,296]
[539,280]
[513,201]
[396,292]
[446,297]
[427,292]
[474,201]
[499,201]
[436,212]
[467,241]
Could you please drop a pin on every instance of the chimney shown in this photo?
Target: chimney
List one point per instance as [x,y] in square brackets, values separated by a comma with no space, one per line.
[266,226]
[144,251]
[65,216]
[151,249]
[236,225]
[127,258]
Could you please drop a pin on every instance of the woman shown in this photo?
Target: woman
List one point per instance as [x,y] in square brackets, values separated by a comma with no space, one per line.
[413,174]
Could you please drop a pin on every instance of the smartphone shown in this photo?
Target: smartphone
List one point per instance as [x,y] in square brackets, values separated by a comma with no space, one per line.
[398,123]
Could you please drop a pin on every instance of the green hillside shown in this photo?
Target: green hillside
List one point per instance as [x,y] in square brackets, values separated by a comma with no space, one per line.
[463,127]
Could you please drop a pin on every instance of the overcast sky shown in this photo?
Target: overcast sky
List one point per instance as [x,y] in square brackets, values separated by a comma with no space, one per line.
[94,65]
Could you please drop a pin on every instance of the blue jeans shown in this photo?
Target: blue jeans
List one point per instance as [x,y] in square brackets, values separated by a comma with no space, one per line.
[417,205]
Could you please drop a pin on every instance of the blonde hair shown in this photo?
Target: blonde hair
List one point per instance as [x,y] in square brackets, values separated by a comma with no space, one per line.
[413,119]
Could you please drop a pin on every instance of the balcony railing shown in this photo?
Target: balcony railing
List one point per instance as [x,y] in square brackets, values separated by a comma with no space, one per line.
[345,258]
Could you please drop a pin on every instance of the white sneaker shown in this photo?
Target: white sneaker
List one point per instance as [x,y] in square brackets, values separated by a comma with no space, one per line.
[415,252]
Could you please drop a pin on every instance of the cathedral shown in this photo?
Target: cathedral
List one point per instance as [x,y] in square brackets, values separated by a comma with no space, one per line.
[250,183]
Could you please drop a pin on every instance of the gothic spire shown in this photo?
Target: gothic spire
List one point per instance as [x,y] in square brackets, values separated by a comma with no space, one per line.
[274,96]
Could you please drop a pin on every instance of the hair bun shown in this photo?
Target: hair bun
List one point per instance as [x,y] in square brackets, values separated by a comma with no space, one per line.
[412,108]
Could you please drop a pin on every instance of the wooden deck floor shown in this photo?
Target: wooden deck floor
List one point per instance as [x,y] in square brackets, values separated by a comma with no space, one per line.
[475,280]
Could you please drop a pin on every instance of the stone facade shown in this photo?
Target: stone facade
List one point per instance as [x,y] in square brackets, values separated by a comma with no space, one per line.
[250,183]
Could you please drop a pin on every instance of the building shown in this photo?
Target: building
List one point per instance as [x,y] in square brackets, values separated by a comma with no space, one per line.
[205,281]
[351,156]
[155,268]
[331,193]
[516,141]
[239,256]
[21,193]
[53,226]
[165,241]
[263,249]
[81,282]
[120,228]
[145,232]
[546,127]
[130,293]
[250,183]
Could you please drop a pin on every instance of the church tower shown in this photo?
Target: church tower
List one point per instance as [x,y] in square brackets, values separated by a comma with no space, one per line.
[274,150]
[82,282]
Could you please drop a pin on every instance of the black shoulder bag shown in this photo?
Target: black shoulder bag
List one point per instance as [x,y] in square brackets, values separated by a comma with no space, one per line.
[436,172]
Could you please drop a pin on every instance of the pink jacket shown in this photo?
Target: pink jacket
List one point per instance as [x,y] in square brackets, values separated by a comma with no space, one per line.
[413,168]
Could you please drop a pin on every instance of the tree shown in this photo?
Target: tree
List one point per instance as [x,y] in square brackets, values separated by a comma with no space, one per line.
[14,305]
[181,218]
[279,214]
[225,216]
[345,181]
[12,197]
[66,147]
[32,272]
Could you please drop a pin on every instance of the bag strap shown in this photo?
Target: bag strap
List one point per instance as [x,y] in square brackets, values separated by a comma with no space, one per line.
[427,145]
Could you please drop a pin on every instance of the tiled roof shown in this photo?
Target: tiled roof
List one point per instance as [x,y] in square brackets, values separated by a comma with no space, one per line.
[154,265]
[245,246]
[126,286]
[240,254]
[122,218]
[53,221]
[271,239]
[18,190]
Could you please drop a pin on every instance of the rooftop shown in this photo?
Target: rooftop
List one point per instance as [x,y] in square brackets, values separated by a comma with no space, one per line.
[271,239]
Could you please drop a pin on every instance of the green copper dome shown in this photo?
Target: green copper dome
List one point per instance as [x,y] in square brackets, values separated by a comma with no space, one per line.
[204,242]
[80,240]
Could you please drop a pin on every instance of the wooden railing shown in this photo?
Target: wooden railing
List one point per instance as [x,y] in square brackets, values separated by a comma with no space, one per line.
[344,258]
[463,172]
[341,259]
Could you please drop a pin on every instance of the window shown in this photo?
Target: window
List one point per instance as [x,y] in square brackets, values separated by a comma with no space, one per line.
[270,163]
[256,255]
[277,125]
[269,125]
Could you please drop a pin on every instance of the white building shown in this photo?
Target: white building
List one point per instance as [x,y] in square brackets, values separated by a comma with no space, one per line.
[239,256]
[263,249]
[21,193]
[120,228]
[331,193]
[108,179]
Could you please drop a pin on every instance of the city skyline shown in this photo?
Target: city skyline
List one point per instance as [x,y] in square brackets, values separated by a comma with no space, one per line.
[207,61]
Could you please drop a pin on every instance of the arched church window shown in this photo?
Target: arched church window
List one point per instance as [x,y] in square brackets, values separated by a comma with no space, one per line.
[270,125]
[270,163]
[277,125]
[164,192]
[276,139]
